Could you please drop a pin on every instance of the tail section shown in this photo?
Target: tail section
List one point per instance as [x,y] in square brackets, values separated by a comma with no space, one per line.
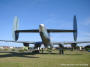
[15,27]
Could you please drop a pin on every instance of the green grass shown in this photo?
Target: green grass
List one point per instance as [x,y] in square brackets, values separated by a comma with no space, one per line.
[44,60]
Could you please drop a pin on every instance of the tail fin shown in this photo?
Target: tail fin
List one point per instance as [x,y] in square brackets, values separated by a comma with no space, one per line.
[15,27]
[75,28]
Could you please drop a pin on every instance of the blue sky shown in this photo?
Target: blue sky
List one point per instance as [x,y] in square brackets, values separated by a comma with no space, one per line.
[56,14]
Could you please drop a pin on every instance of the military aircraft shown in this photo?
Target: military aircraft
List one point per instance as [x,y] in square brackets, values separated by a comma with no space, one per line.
[45,35]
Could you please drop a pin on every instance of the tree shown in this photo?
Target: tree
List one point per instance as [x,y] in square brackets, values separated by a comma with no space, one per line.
[87,47]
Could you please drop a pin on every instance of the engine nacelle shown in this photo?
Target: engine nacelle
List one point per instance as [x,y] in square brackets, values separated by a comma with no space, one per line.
[37,44]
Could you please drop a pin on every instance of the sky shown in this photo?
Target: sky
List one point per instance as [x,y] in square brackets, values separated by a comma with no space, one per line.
[55,14]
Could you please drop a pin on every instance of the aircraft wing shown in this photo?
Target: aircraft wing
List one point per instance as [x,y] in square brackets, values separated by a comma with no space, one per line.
[58,30]
[30,42]
[23,31]
[78,42]
[17,41]
[49,30]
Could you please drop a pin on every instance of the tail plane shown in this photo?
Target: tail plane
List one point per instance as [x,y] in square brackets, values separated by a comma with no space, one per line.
[75,28]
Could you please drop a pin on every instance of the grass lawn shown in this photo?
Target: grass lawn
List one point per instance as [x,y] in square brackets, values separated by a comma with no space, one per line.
[45,60]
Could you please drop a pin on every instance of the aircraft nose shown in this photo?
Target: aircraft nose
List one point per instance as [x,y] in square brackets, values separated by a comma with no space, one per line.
[41,25]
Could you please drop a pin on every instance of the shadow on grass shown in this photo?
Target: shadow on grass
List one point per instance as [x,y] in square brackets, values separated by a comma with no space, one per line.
[28,54]
[60,54]
[14,54]
[73,54]
[49,53]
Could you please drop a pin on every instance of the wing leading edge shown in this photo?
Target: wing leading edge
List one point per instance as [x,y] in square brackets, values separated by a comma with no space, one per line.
[58,30]
[54,43]
[77,42]
[18,41]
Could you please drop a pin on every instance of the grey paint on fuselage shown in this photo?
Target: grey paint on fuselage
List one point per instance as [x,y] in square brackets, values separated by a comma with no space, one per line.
[44,36]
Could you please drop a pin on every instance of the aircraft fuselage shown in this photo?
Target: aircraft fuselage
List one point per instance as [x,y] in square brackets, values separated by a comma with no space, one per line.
[44,35]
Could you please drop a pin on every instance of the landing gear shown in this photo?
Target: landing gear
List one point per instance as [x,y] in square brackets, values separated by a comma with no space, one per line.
[73,46]
[35,52]
[26,45]
[37,46]
[42,50]
[61,47]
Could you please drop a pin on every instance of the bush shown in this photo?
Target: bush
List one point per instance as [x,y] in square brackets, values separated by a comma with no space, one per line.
[13,49]
[1,49]
[25,48]
[87,47]
[21,50]
[49,50]
[6,49]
